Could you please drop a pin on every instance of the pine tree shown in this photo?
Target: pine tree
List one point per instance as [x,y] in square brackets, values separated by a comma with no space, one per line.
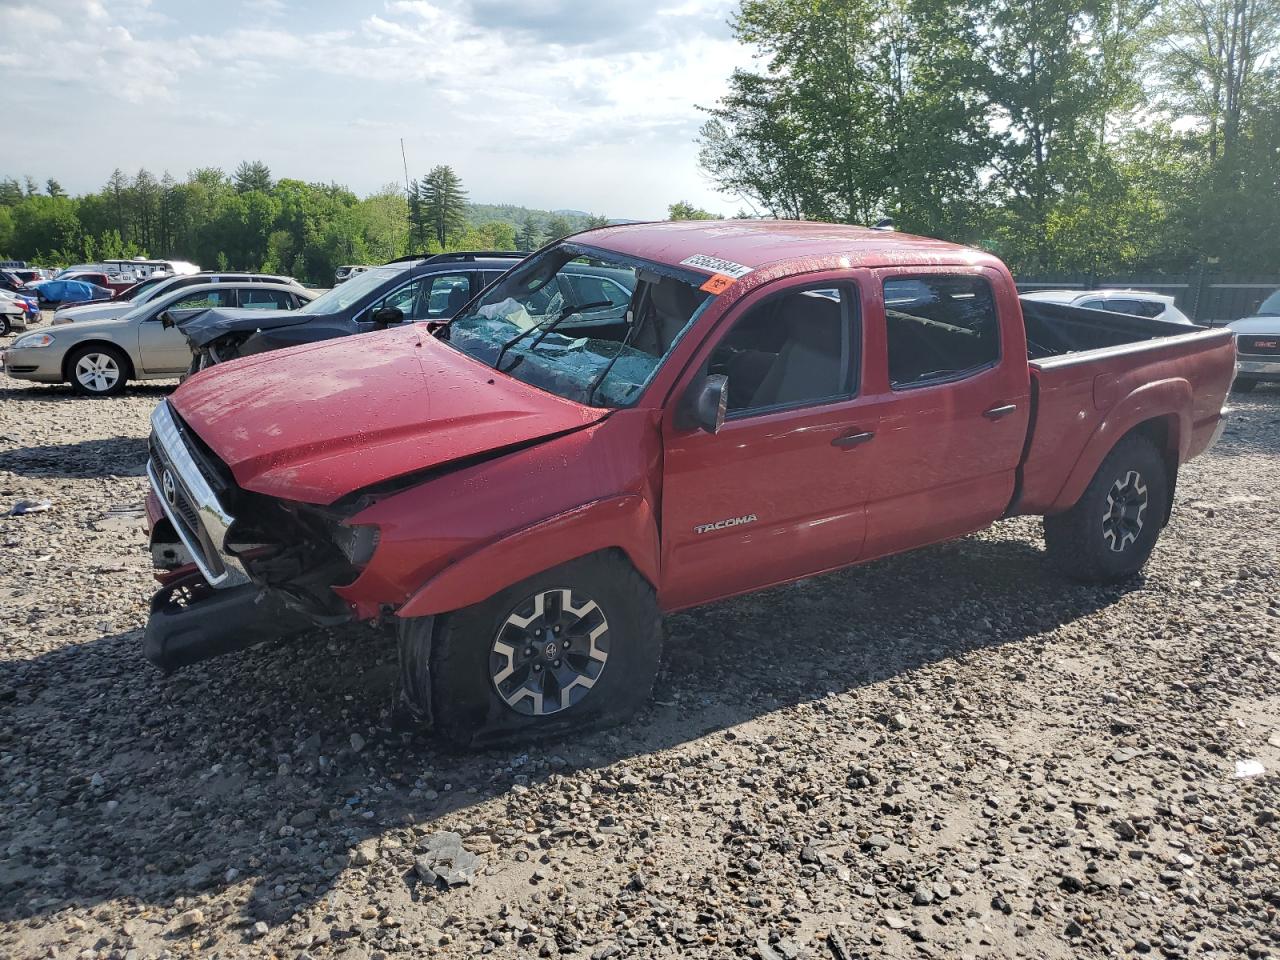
[444,204]
[254,175]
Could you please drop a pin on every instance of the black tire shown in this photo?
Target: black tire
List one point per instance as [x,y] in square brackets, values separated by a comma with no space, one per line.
[103,357]
[464,663]
[1243,385]
[6,327]
[1099,540]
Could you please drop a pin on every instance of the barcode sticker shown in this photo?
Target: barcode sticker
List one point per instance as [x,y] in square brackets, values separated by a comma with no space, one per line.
[702,261]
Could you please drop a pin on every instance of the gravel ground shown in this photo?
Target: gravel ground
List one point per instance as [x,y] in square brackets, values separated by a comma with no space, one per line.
[949,753]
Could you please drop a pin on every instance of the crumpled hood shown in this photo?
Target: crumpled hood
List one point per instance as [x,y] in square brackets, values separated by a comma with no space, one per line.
[318,422]
[208,325]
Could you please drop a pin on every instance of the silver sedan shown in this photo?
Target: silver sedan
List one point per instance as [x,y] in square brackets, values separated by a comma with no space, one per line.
[99,357]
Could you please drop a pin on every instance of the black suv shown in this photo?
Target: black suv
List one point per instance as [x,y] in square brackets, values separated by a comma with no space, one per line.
[412,288]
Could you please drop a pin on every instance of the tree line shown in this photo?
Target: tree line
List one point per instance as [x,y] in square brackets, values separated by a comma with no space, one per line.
[1065,135]
[250,221]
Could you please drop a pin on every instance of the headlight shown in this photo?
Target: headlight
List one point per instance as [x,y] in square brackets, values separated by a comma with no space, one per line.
[32,340]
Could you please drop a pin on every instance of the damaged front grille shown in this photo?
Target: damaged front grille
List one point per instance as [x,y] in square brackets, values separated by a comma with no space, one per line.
[190,503]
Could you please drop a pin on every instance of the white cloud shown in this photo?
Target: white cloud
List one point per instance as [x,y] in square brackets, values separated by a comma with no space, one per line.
[575,105]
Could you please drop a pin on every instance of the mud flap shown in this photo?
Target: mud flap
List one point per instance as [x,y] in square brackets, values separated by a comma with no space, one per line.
[189,624]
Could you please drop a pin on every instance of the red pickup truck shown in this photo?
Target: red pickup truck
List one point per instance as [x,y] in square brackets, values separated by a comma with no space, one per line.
[522,491]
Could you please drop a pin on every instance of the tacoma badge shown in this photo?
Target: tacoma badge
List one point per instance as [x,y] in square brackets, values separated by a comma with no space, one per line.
[723,524]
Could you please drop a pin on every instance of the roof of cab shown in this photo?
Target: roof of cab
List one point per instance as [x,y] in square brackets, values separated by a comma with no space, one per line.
[759,243]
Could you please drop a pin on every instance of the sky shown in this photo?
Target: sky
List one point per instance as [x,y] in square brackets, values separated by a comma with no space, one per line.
[588,105]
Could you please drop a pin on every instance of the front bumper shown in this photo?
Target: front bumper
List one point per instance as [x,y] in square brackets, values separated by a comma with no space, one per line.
[42,364]
[189,623]
[190,504]
[1258,369]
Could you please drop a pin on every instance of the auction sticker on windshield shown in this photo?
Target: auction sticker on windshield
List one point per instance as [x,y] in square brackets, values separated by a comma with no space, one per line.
[702,261]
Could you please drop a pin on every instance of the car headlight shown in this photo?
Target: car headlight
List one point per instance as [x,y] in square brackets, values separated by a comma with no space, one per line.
[32,340]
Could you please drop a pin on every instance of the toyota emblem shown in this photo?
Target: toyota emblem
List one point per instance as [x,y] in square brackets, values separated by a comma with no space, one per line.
[170,488]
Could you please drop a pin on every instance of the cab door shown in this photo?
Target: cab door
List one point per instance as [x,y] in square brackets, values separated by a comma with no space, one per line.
[164,350]
[780,491]
[954,398]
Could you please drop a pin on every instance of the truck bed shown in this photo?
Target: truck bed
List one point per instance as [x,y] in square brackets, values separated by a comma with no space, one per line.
[1093,374]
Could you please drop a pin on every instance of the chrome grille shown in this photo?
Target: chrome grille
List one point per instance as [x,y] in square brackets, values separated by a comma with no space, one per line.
[190,503]
[1260,345]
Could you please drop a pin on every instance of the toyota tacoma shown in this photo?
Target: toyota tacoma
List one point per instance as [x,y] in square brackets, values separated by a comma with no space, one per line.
[521,492]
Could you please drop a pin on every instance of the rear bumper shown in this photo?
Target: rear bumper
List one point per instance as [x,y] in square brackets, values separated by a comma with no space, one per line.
[1258,369]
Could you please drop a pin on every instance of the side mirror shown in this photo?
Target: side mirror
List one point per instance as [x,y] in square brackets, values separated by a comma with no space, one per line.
[166,319]
[385,316]
[710,403]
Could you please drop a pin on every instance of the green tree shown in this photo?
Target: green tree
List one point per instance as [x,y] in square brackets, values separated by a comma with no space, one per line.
[683,210]
[862,110]
[53,188]
[252,175]
[529,237]
[558,227]
[443,204]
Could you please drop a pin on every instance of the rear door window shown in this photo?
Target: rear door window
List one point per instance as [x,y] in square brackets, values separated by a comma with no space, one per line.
[266,299]
[940,328]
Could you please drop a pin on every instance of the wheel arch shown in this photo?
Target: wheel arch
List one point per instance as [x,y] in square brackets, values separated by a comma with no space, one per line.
[129,372]
[1159,412]
[625,524]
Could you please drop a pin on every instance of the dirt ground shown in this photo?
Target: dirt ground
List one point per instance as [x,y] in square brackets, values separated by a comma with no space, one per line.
[951,753]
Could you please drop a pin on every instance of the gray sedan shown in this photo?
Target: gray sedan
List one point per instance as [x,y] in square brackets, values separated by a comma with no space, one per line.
[98,357]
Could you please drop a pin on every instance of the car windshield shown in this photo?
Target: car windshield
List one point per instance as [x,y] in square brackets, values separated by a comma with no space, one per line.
[586,324]
[1271,306]
[353,291]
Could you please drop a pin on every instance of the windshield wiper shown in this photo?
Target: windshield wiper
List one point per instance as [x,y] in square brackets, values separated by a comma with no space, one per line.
[545,327]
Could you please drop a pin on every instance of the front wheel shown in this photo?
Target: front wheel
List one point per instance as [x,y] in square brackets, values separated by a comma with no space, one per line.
[1110,532]
[98,371]
[5,326]
[572,649]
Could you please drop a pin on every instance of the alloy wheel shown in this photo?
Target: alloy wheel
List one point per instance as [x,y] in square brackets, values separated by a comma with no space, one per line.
[97,372]
[1126,504]
[549,652]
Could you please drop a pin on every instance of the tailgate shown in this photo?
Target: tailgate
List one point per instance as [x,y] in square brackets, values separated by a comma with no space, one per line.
[1078,395]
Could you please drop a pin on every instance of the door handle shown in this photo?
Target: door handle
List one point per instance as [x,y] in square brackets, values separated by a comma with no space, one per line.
[852,440]
[995,413]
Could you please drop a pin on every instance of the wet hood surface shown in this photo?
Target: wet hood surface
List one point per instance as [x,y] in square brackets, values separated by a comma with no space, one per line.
[208,325]
[318,422]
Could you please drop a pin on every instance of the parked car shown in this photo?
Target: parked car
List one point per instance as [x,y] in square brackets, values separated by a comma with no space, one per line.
[158,287]
[69,290]
[345,273]
[411,288]
[99,357]
[17,311]
[523,491]
[1136,303]
[115,282]
[9,280]
[1258,345]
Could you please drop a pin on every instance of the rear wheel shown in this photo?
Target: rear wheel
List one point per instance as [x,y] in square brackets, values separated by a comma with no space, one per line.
[5,326]
[572,649]
[1243,385]
[1110,532]
[98,371]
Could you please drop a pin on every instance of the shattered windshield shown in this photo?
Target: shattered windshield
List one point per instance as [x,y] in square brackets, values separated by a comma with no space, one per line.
[586,324]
